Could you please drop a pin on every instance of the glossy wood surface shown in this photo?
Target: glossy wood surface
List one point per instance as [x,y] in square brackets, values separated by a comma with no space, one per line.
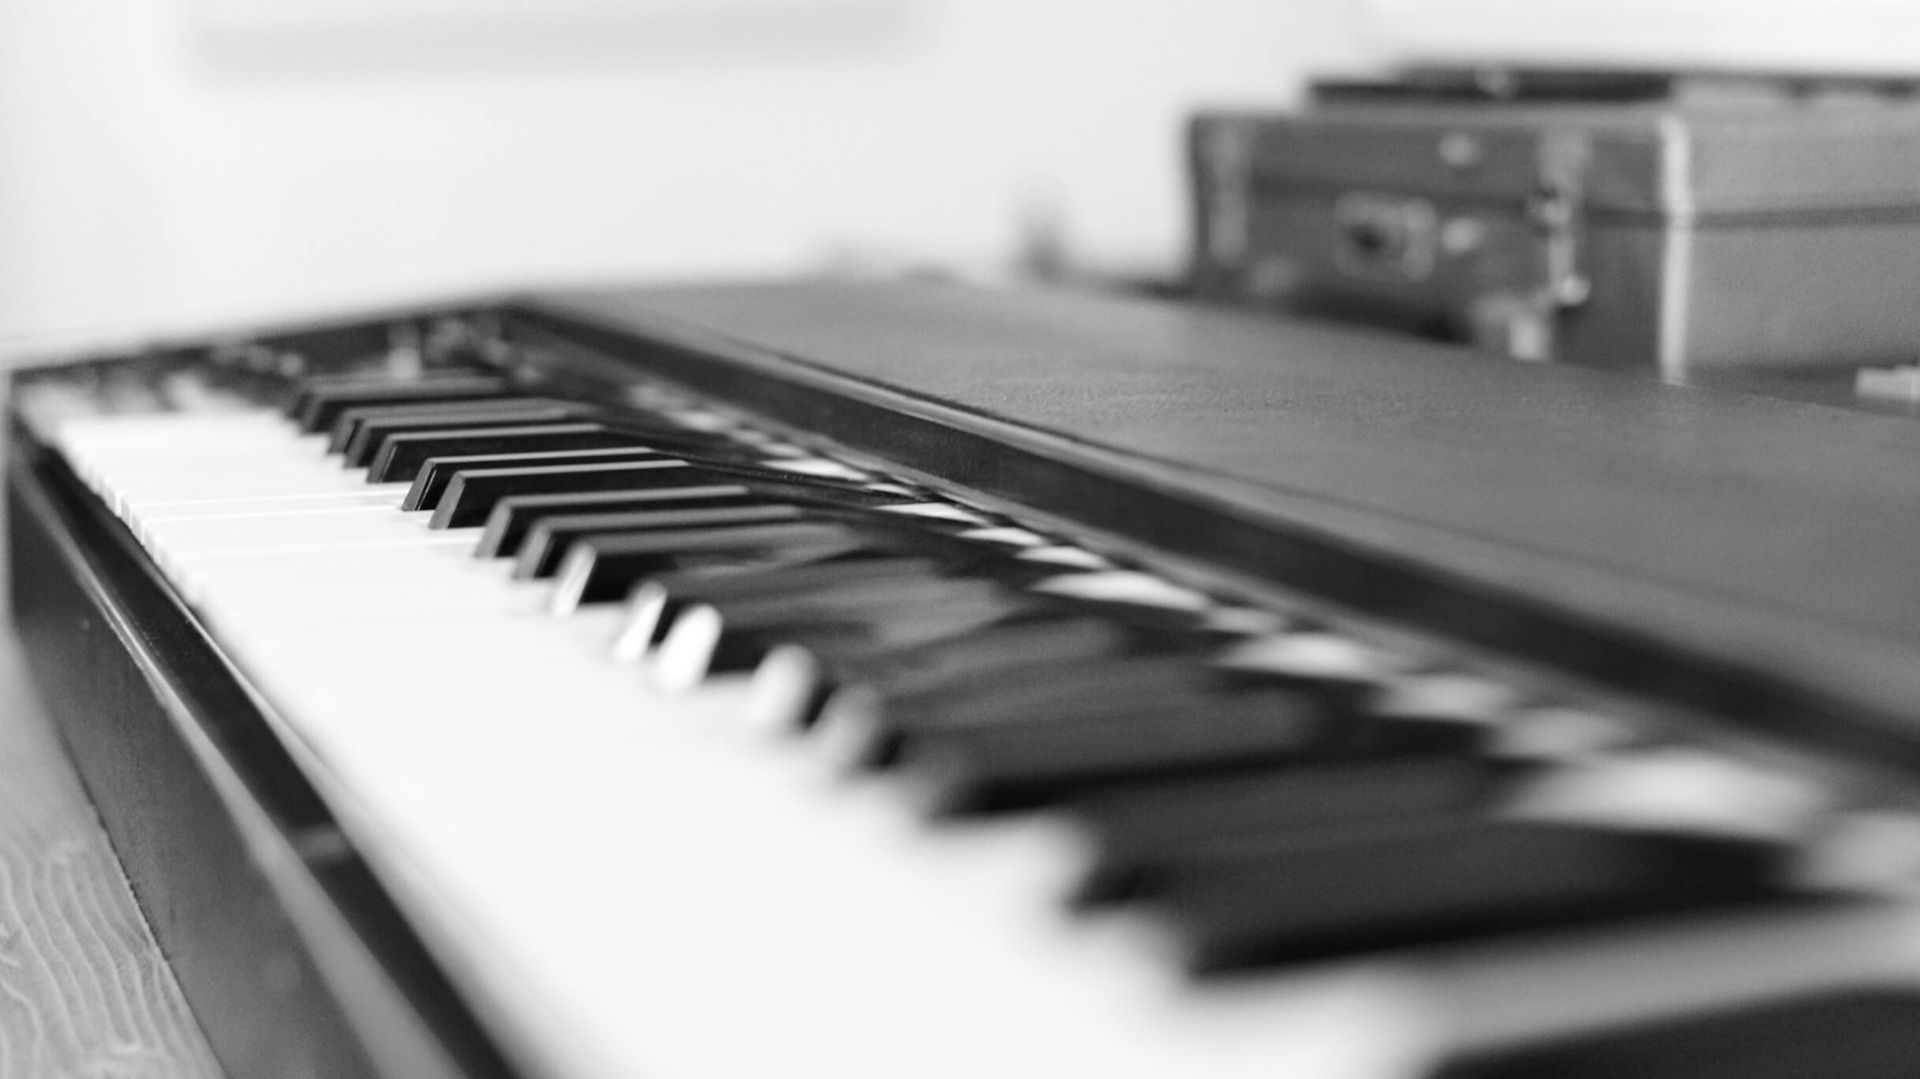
[1771,534]
[84,989]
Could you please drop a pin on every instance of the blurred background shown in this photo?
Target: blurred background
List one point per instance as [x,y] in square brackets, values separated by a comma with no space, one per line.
[168,164]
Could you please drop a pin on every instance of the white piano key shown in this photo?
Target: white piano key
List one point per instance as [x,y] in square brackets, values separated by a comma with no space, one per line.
[343,526]
[383,495]
[461,690]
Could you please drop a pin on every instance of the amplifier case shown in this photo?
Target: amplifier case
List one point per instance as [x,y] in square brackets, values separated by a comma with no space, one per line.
[1660,235]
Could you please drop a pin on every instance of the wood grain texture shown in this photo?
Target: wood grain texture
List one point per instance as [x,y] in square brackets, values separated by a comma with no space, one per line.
[84,990]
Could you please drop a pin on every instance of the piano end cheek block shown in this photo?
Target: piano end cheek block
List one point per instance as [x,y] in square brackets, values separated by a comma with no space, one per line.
[1865,1033]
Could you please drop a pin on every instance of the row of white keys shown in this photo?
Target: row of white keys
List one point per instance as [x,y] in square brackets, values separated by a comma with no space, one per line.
[644,888]
[670,900]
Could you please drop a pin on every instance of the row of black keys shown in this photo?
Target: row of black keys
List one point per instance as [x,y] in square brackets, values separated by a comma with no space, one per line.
[1273,813]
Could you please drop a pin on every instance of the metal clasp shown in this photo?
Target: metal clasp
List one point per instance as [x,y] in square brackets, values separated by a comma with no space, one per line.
[1386,237]
[1226,151]
[1557,209]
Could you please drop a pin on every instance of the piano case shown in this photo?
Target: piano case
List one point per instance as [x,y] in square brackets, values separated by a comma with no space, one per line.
[1562,528]
[1668,228]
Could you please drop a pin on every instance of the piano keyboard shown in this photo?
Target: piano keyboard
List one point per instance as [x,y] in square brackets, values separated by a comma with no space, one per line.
[689,747]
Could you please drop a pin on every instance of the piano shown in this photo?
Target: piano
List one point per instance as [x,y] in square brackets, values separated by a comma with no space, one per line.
[916,679]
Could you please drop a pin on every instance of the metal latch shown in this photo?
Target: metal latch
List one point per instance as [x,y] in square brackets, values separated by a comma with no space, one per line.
[1557,209]
[1386,237]
[1226,152]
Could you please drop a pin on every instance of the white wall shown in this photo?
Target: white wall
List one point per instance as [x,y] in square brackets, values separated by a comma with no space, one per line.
[151,176]
[1880,37]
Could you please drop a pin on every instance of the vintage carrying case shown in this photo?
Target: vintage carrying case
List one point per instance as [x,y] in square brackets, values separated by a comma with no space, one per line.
[1720,223]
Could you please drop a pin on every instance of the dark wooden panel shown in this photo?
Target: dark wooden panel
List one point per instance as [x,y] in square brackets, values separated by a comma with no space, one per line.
[293,962]
[234,949]
[1769,535]
[83,988]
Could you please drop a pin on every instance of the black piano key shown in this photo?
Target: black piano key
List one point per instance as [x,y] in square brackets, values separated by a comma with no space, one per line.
[658,601]
[546,544]
[1007,565]
[1415,711]
[1140,831]
[352,437]
[319,404]
[349,421]
[400,455]
[472,494]
[773,471]
[875,720]
[604,569]
[1144,614]
[1447,881]
[991,766]
[734,636]
[440,413]
[1095,681]
[436,473]
[507,530]
[943,541]
[358,432]
[1860,1033]
[936,538]
[803,678]
[512,517]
